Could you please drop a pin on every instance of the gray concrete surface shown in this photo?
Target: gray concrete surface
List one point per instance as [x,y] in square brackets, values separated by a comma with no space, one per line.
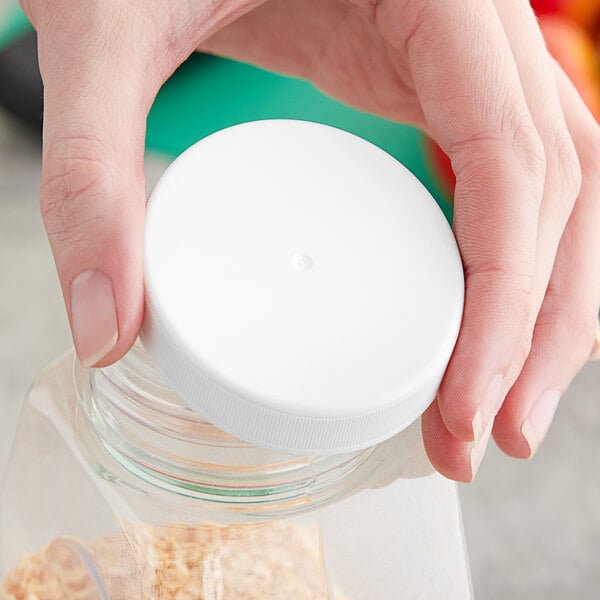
[532,528]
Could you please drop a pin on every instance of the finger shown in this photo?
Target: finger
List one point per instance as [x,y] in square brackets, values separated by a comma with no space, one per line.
[98,88]
[563,171]
[468,83]
[454,458]
[567,325]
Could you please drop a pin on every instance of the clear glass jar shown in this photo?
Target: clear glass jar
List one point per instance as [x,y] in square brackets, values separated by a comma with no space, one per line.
[116,490]
[290,299]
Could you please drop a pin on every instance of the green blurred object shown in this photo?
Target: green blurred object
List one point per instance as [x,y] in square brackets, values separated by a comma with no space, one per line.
[13,23]
[208,93]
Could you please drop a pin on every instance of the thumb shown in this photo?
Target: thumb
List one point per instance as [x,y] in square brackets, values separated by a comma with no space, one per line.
[93,189]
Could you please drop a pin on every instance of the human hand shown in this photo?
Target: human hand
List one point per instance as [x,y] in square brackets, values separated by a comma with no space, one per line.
[475,75]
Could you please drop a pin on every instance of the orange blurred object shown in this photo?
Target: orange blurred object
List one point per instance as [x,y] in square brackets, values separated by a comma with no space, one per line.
[584,12]
[574,49]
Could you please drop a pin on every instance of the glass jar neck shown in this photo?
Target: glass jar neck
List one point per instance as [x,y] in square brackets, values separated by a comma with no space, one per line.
[148,429]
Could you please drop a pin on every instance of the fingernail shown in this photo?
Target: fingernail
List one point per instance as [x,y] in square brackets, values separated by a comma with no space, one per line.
[540,417]
[93,316]
[478,449]
[489,407]
[595,355]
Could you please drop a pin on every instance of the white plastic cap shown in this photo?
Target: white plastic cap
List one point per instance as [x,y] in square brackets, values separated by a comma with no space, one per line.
[304,290]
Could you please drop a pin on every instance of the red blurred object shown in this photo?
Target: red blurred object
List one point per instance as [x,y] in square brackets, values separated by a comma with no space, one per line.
[544,7]
[442,168]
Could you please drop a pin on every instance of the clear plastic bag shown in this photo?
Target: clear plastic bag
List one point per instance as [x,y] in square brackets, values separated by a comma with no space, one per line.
[116,491]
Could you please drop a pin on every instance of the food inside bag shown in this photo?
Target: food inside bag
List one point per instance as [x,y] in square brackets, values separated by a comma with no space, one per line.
[263,561]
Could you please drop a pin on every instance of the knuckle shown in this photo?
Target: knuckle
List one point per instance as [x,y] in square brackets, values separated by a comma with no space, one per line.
[569,331]
[518,129]
[502,281]
[512,137]
[508,291]
[416,17]
[523,346]
[505,296]
[74,176]
[564,161]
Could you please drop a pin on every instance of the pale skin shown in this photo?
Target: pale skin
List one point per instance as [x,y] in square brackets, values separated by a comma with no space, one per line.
[474,74]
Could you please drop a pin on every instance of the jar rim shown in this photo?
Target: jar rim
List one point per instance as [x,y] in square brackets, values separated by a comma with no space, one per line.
[142,424]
